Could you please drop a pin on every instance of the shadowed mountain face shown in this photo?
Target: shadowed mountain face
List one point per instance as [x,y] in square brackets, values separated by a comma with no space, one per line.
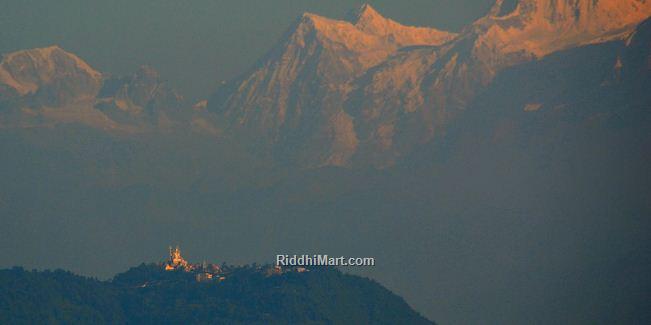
[294,98]
[414,96]
[513,184]
[340,93]
[141,97]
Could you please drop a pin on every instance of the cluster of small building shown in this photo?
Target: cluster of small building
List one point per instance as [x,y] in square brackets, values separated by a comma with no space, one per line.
[278,270]
[205,272]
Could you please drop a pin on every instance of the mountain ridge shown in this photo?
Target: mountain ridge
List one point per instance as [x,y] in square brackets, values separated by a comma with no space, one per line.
[49,86]
[376,107]
[370,21]
[360,91]
[412,98]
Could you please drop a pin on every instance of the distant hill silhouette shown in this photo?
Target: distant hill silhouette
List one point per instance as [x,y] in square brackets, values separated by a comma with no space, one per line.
[149,295]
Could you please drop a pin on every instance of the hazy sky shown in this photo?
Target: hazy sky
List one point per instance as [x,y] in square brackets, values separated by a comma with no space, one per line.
[195,44]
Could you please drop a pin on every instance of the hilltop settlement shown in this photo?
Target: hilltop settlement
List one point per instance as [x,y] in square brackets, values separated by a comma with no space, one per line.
[208,272]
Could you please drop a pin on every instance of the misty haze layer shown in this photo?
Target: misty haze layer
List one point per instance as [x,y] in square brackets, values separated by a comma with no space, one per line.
[497,173]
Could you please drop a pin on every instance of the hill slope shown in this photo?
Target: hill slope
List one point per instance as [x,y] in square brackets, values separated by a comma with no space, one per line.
[149,295]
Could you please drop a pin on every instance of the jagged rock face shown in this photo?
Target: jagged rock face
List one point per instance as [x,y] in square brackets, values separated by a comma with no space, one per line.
[412,97]
[48,76]
[294,98]
[140,98]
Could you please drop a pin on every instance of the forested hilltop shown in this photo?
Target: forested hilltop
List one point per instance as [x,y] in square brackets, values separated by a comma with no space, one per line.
[249,295]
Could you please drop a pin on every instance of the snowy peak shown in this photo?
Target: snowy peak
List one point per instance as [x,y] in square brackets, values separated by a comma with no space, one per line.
[51,74]
[365,25]
[365,13]
[541,27]
[370,21]
[49,86]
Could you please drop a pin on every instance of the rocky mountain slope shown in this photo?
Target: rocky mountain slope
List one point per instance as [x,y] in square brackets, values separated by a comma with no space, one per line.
[142,97]
[294,98]
[342,93]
